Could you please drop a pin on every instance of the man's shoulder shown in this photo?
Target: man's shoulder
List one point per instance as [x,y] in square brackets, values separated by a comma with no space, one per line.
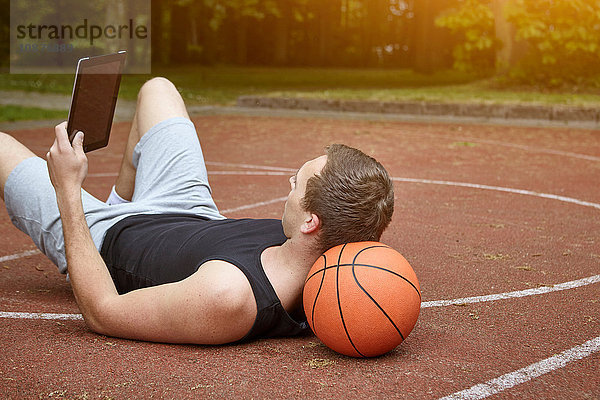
[226,284]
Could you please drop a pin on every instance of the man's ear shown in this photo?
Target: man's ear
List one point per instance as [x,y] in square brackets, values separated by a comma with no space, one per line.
[311,224]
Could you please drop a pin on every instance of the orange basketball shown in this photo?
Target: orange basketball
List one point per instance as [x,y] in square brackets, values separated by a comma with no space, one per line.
[362,299]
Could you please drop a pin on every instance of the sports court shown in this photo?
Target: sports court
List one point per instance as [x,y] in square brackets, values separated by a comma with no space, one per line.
[500,223]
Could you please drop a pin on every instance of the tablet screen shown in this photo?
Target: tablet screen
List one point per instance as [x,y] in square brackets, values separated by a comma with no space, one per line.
[94,99]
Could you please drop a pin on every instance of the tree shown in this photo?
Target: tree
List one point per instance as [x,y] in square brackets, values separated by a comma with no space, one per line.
[474,22]
[563,40]
[429,40]
[282,25]
[179,32]
[4,36]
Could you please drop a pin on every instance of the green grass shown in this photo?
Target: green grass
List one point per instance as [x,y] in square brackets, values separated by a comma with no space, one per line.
[222,85]
[476,92]
[17,113]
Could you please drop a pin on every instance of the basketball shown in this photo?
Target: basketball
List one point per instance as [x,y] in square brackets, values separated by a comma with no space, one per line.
[362,299]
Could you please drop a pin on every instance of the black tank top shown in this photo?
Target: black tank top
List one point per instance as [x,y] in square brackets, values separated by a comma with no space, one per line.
[148,250]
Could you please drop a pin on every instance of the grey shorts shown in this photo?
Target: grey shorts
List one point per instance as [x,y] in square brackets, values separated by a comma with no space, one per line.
[170,177]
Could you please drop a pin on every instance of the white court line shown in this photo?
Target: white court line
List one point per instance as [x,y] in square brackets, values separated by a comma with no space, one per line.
[512,295]
[533,149]
[505,144]
[528,373]
[260,203]
[279,173]
[45,316]
[502,189]
[19,255]
[265,167]
[269,170]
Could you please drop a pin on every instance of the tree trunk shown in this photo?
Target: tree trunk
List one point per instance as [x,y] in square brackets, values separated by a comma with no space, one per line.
[241,42]
[179,33]
[280,56]
[505,33]
[156,21]
[422,61]
[430,43]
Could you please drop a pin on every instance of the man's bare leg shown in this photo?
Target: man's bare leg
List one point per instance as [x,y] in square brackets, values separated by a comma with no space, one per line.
[11,154]
[158,100]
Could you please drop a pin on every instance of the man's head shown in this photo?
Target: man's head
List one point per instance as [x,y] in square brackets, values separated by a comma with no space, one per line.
[346,196]
[295,218]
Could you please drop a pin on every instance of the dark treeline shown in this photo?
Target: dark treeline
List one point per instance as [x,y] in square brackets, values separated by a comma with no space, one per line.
[541,42]
[341,33]
[319,33]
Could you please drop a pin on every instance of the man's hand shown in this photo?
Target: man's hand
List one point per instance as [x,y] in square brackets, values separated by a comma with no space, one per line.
[68,165]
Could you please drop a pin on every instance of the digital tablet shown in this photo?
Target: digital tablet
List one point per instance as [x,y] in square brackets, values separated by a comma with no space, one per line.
[94,98]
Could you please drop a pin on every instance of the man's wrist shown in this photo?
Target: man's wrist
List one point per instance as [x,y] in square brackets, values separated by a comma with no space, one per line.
[69,200]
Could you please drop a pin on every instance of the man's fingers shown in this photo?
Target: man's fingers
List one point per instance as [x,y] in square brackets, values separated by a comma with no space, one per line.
[62,138]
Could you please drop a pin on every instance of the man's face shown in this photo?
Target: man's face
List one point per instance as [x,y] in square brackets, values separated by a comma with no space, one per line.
[293,214]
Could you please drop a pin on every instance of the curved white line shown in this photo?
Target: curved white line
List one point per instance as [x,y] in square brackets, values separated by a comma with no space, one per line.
[502,189]
[265,167]
[528,373]
[511,295]
[531,149]
[267,170]
[279,173]
[254,205]
[19,255]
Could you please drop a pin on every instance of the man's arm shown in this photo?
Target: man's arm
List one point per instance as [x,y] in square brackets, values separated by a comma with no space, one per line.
[214,305]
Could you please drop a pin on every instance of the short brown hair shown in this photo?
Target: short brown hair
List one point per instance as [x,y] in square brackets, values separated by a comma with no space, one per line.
[353,196]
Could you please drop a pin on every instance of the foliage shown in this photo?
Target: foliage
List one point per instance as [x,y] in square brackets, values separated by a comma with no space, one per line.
[563,38]
[253,9]
[474,22]
[12,113]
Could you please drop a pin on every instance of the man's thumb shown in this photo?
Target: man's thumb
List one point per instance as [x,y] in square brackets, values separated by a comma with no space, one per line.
[78,141]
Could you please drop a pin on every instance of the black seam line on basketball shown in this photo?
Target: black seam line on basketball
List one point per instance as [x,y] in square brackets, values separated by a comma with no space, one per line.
[369,266]
[371,297]
[337,289]
[317,295]
[344,265]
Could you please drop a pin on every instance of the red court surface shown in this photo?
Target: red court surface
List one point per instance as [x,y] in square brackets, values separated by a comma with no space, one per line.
[502,222]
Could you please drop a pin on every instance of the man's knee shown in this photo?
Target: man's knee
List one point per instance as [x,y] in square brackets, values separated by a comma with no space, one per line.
[158,100]
[156,87]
